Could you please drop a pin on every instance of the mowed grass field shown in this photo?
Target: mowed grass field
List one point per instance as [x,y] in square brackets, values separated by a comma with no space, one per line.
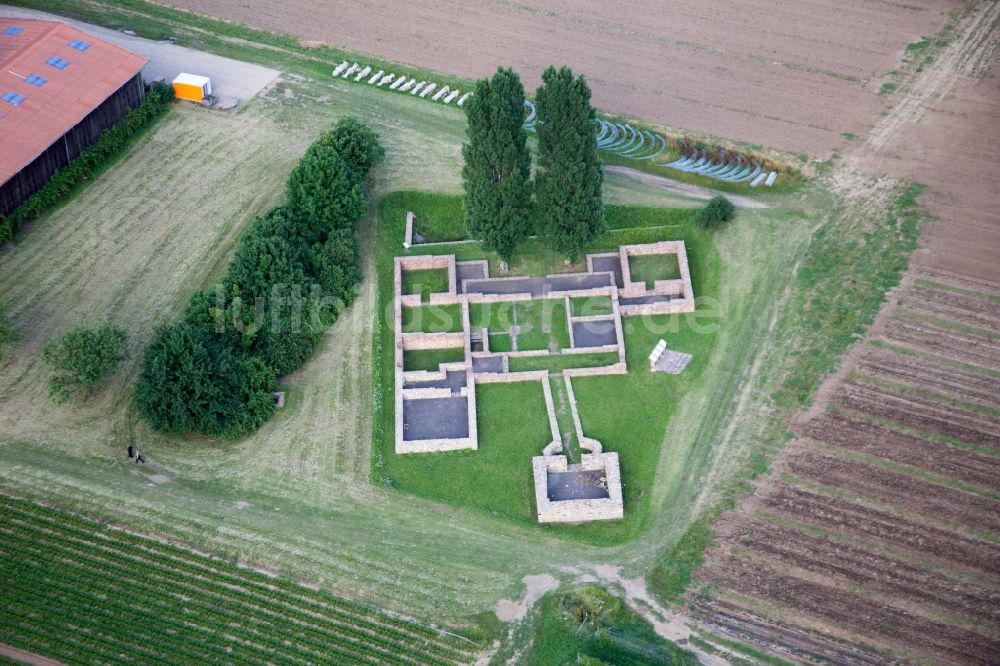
[295,496]
[301,496]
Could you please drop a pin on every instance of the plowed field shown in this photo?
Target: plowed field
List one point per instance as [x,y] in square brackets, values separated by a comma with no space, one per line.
[789,75]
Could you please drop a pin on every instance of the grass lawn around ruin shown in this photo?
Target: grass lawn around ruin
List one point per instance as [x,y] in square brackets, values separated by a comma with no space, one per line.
[425,282]
[626,413]
[430,359]
[433,319]
[653,267]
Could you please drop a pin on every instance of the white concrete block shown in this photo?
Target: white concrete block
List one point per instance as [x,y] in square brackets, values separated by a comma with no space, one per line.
[351,70]
[417,88]
[406,86]
[340,68]
[465,97]
[375,77]
[398,82]
[440,93]
[386,79]
[429,89]
[451,96]
[363,73]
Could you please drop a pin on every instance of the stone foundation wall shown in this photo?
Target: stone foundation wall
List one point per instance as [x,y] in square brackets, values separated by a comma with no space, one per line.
[680,289]
[616,369]
[412,341]
[578,511]
[408,236]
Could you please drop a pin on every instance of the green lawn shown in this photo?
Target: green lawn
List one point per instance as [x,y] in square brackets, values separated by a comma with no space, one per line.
[589,306]
[435,216]
[425,282]
[501,342]
[627,413]
[653,267]
[433,319]
[560,362]
[513,426]
[498,317]
[542,324]
[430,359]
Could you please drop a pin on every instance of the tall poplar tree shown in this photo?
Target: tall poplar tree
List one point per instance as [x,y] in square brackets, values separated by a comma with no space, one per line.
[569,176]
[497,171]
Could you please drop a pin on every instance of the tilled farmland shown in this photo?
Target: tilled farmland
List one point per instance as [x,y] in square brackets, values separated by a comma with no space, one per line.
[875,536]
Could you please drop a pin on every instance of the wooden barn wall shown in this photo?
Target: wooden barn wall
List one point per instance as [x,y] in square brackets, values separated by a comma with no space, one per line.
[85,133]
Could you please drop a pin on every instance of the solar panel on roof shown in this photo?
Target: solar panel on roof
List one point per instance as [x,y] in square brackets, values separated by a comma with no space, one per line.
[13,98]
[79,45]
[13,30]
[36,80]
[57,62]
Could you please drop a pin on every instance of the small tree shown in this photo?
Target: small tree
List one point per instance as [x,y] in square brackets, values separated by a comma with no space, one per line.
[569,178]
[497,171]
[716,212]
[82,357]
[357,143]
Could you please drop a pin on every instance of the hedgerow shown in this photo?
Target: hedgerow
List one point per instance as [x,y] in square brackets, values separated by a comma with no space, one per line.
[112,141]
[295,269]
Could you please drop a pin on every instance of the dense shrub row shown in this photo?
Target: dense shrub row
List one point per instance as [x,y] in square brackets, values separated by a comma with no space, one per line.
[112,141]
[294,270]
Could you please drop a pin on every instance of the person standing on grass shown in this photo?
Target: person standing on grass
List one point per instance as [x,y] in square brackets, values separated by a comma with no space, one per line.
[138,457]
[130,450]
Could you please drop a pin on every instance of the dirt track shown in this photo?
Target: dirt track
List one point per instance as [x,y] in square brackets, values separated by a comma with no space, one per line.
[768,72]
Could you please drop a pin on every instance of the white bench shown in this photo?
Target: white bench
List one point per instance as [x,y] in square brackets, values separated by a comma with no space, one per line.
[428,89]
[340,68]
[417,88]
[363,73]
[657,352]
[440,93]
[461,102]
[451,96]
[375,77]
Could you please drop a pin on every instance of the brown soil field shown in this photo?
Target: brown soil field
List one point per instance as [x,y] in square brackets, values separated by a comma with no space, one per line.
[884,529]
[923,414]
[881,622]
[903,448]
[879,573]
[787,75]
[897,490]
[875,535]
[922,373]
[944,132]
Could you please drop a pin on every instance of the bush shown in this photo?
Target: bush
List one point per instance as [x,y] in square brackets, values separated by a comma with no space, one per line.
[293,271]
[83,357]
[355,142]
[324,193]
[264,259]
[717,212]
[112,141]
[193,381]
[336,265]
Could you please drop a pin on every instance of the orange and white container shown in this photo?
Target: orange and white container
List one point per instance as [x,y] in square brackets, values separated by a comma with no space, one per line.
[192,87]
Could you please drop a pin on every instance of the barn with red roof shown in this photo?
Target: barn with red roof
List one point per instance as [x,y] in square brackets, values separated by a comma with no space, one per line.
[59,89]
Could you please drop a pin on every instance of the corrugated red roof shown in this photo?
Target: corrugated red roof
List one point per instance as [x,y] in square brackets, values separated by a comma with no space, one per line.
[67,96]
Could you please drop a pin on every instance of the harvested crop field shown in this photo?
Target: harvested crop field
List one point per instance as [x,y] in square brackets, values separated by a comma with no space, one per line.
[875,536]
[793,76]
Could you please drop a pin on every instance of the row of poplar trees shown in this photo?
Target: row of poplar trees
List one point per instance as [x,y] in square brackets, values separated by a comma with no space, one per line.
[502,205]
